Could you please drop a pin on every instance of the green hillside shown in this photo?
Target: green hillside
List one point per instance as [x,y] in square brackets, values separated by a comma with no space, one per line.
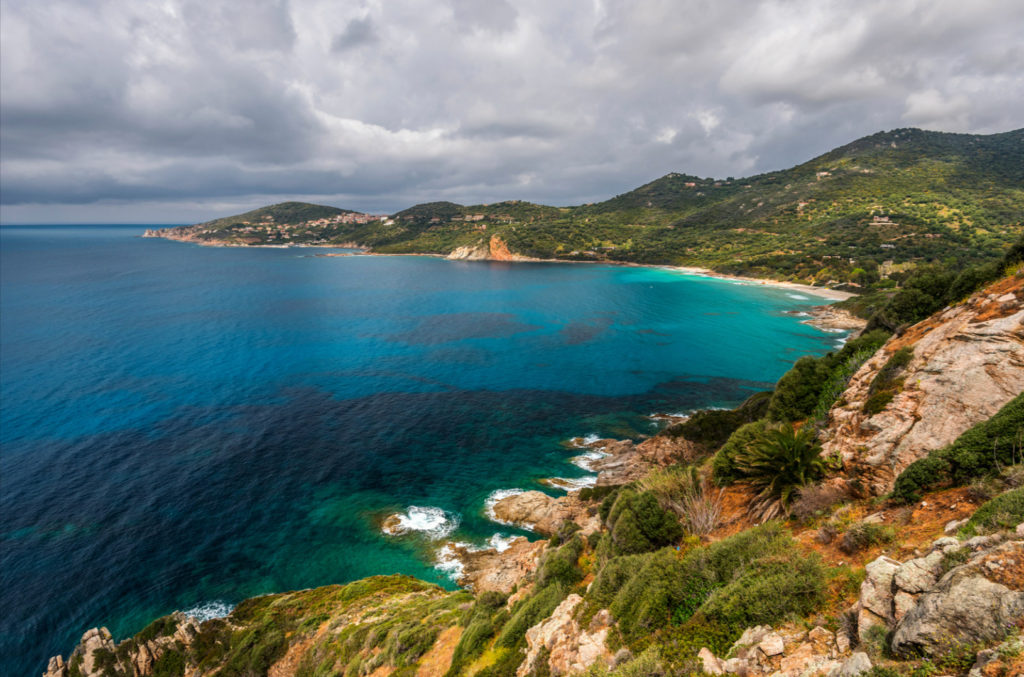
[901,197]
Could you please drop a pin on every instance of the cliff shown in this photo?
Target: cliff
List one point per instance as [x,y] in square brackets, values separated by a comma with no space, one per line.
[962,366]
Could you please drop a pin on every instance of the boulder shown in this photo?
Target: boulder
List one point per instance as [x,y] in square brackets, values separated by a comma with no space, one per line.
[857,664]
[975,602]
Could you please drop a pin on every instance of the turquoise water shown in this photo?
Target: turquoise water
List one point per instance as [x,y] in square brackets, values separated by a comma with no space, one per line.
[184,427]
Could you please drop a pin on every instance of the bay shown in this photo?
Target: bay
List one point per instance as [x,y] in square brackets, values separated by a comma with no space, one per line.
[184,427]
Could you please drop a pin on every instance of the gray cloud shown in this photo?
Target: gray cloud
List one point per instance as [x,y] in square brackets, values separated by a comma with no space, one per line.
[177,110]
[358,32]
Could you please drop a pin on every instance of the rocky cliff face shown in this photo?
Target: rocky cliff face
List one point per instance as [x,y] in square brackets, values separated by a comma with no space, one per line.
[967,362]
[494,249]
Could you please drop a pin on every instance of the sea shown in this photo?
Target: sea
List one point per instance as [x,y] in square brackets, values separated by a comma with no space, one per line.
[182,427]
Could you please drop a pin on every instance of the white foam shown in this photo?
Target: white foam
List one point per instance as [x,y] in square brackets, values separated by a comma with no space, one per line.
[448,562]
[501,542]
[585,441]
[798,297]
[586,460]
[572,483]
[209,610]
[433,522]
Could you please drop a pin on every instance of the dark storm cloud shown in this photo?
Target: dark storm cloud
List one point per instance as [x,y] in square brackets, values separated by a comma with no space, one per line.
[357,33]
[178,109]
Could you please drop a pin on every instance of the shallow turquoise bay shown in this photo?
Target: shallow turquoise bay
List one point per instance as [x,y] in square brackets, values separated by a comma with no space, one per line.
[184,427]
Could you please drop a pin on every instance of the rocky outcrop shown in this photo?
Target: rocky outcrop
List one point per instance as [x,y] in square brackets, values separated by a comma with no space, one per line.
[930,606]
[570,648]
[626,461]
[830,318]
[787,652]
[968,362]
[96,650]
[478,252]
[494,249]
[544,514]
[496,570]
[976,602]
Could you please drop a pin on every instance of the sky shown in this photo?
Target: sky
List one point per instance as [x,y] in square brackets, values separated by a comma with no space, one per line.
[179,111]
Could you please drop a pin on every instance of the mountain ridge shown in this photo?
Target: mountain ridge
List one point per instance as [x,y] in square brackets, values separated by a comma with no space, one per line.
[905,196]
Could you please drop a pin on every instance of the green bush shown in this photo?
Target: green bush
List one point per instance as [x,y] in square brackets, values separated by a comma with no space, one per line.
[723,467]
[637,523]
[1005,511]
[920,476]
[980,451]
[558,566]
[864,535]
[797,392]
[777,465]
[771,589]
[887,382]
[711,428]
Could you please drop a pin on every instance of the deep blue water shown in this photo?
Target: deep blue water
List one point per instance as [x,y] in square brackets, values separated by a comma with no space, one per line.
[185,426]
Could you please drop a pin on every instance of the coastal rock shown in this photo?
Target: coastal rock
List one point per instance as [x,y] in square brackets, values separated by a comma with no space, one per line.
[830,318]
[493,570]
[626,462]
[494,249]
[140,657]
[967,363]
[571,649]
[533,510]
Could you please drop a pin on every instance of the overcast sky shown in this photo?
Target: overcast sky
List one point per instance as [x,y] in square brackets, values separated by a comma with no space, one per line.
[183,110]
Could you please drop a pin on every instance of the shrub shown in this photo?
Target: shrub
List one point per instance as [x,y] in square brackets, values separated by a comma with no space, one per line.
[723,467]
[712,427]
[637,523]
[816,501]
[559,565]
[887,382]
[1002,512]
[777,466]
[683,492]
[920,476]
[864,535]
[597,493]
[797,392]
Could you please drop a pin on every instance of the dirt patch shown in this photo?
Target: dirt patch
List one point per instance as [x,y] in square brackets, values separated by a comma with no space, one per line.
[439,658]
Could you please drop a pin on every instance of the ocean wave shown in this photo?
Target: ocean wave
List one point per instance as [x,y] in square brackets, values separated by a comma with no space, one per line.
[209,610]
[433,522]
[571,483]
[585,461]
[447,561]
[585,441]
[798,297]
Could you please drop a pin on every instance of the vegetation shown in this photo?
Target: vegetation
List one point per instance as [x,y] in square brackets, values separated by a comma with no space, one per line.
[637,523]
[856,215]
[1003,512]
[777,466]
[982,450]
[887,382]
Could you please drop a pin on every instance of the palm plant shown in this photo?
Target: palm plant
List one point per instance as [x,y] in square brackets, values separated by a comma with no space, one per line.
[777,465]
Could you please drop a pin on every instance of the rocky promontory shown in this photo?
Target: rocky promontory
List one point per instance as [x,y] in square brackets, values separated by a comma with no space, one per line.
[962,365]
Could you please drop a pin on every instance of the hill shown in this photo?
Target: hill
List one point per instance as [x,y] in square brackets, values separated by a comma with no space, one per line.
[855,214]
